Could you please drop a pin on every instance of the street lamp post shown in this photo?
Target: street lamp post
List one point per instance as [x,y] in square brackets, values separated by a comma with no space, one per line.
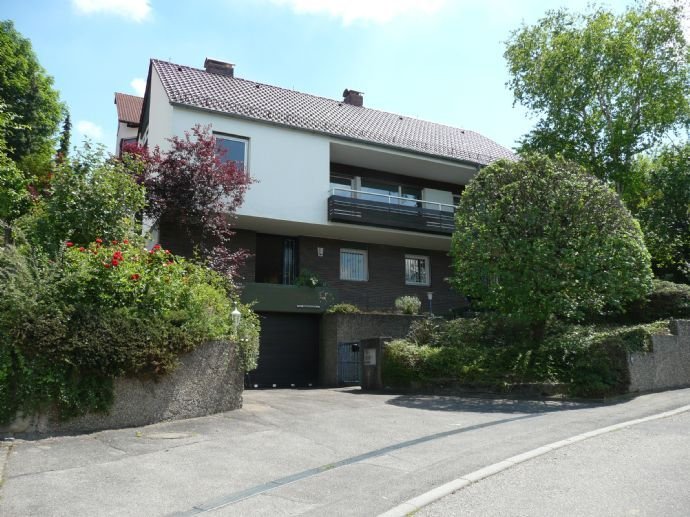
[236,317]
[430,296]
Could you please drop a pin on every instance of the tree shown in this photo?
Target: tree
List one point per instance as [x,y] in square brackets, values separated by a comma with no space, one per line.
[539,238]
[65,137]
[191,184]
[14,196]
[90,198]
[28,92]
[663,208]
[605,87]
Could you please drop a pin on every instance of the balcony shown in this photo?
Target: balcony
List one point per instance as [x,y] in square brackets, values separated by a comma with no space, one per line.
[287,298]
[388,211]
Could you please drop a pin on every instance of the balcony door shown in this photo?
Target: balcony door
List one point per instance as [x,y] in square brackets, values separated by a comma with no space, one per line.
[276,259]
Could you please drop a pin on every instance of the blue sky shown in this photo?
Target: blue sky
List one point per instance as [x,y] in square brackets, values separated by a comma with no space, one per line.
[439,60]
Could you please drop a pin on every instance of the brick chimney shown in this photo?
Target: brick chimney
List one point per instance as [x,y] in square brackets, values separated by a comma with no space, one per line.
[214,66]
[353,97]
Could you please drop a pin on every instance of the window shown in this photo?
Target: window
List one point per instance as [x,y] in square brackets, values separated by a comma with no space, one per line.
[353,265]
[417,270]
[377,191]
[233,149]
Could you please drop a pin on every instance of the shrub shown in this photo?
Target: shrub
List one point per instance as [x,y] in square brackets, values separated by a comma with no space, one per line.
[343,308]
[308,279]
[71,323]
[408,304]
[90,197]
[590,361]
[539,238]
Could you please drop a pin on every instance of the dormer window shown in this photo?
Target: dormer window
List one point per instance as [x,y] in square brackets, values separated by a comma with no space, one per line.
[233,148]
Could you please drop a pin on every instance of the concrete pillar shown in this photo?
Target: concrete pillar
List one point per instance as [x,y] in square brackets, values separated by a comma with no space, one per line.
[372,355]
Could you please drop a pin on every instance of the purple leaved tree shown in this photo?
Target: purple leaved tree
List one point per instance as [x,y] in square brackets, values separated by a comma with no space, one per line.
[192,185]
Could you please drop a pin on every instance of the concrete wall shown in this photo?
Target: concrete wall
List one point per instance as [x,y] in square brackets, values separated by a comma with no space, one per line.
[208,380]
[344,328]
[668,365]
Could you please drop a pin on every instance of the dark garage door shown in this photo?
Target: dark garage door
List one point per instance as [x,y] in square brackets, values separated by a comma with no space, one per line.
[288,351]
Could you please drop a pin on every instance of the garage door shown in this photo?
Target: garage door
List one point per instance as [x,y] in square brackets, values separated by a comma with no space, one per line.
[288,351]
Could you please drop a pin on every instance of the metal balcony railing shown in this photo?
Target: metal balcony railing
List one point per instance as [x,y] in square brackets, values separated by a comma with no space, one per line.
[389,211]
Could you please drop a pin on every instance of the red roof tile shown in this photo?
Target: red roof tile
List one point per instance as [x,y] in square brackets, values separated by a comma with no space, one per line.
[128,108]
[197,88]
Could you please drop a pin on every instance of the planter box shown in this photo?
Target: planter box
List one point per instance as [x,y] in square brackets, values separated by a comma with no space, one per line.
[286,298]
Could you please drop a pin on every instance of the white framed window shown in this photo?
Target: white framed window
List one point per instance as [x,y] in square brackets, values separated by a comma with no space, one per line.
[353,265]
[233,149]
[417,270]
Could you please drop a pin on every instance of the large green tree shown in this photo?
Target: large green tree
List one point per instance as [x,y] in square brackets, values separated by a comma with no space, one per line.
[604,87]
[28,93]
[539,238]
[661,201]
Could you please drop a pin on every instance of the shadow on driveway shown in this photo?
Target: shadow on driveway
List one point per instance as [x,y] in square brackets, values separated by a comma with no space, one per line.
[488,403]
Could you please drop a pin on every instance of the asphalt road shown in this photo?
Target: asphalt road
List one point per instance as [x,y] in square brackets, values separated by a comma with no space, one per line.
[642,470]
[314,452]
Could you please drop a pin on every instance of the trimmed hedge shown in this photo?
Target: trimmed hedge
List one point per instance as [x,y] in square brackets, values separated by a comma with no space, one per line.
[589,360]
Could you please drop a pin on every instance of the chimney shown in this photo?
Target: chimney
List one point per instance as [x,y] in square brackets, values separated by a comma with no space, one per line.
[214,66]
[353,97]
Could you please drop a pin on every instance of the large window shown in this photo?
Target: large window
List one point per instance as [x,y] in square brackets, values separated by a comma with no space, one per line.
[232,148]
[417,270]
[353,265]
[379,191]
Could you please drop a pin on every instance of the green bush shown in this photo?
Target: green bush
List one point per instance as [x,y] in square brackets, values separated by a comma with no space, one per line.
[589,360]
[71,323]
[343,308]
[90,197]
[408,304]
[667,300]
[308,279]
[538,238]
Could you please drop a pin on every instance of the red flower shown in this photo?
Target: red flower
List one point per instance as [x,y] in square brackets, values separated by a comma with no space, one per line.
[125,241]
[157,247]
[113,242]
[81,248]
[167,252]
[69,244]
[99,241]
[106,265]
[134,277]
[114,262]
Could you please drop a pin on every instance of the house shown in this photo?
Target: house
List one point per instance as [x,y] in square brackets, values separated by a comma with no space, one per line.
[360,198]
[128,115]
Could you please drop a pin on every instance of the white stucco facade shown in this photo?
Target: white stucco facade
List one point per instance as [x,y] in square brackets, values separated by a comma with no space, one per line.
[291,172]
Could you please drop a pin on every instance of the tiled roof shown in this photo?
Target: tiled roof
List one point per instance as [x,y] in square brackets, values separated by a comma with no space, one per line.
[128,107]
[198,88]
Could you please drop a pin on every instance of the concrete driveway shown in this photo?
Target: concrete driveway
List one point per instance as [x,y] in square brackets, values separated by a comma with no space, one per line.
[293,452]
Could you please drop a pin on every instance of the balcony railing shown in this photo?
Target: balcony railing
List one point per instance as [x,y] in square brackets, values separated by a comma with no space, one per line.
[367,208]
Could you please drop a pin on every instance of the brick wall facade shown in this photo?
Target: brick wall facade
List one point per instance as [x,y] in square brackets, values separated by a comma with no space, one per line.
[386,266]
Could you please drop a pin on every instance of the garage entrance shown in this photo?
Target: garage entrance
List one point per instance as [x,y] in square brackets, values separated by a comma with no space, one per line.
[288,351]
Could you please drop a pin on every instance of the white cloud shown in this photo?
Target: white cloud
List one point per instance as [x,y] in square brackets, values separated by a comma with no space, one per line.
[379,11]
[135,10]
[89,129]
[139,86]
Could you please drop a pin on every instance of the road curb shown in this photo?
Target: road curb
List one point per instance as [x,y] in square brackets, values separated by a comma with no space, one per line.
[413,505]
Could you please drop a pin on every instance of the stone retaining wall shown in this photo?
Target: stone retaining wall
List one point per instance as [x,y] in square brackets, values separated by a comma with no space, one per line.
[208,380]
[667,366]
